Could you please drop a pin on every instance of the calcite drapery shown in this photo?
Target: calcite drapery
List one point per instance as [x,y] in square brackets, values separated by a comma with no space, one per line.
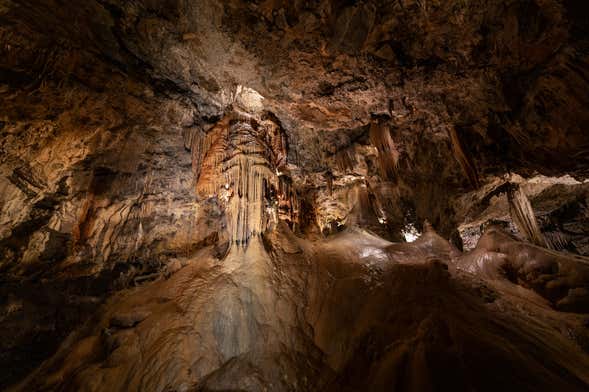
[239,161]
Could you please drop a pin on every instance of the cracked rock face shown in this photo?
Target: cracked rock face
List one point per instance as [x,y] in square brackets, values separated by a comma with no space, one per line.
[219,195]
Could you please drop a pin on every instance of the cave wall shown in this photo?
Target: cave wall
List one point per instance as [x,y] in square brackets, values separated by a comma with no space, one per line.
[488,86]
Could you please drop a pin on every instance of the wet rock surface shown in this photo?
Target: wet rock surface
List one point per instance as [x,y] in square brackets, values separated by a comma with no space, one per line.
[217,195]
[416,316]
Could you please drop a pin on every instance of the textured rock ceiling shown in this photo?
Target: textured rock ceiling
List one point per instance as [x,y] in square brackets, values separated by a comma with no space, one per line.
[143,140]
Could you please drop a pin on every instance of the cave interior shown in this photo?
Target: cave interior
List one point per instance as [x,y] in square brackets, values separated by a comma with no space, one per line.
[293,195]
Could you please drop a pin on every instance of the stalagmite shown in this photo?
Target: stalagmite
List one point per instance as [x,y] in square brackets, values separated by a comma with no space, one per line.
[523,216]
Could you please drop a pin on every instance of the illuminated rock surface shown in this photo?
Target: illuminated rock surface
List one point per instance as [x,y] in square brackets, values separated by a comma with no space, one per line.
[219,195]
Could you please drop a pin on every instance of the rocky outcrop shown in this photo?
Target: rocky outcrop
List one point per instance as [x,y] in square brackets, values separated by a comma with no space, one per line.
[558,206]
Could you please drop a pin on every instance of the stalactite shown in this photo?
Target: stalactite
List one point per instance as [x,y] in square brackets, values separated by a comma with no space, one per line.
[364,209]
[388,152]
[239,161]
[379,204]
[275,140]
[246,206]
[464,161]
[523,216]
[198,148]
[295,211]
[288,205]
[345,159]
[209,155]
[329,181]
[139,239]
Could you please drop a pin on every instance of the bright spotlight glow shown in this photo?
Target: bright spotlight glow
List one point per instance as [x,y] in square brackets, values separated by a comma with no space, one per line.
[410,233]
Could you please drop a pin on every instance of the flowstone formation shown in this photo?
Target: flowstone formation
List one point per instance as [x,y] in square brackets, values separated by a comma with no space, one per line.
[242,163]
[266,318]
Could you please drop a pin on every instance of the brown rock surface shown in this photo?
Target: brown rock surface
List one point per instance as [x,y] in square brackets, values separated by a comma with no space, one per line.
[348,313]
[215,195]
